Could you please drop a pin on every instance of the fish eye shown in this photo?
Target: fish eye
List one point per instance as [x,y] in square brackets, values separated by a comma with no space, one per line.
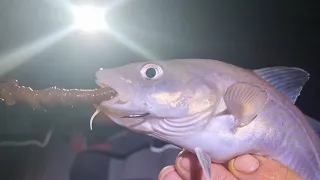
[151,71]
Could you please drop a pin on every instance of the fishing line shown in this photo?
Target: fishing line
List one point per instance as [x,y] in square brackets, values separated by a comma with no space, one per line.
[29,142]
[163,148]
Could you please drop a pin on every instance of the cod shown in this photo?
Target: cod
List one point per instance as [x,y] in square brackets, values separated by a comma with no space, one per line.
[215,110]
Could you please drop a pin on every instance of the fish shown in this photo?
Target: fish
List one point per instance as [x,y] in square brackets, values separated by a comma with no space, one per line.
[215,110]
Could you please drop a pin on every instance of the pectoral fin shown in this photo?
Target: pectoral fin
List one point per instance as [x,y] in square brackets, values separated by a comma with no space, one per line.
[244,101]
[205,162]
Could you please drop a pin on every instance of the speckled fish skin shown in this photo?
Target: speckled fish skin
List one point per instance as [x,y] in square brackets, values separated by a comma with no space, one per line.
[185,105]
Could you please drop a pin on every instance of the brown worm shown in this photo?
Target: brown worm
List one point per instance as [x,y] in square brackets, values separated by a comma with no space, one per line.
[11,93]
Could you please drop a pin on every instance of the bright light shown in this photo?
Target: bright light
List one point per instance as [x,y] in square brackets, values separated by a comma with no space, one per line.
[17,57]
[89,18]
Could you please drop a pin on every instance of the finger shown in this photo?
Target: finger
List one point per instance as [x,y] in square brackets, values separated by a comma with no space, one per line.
[169,173]
[248,167]
[188,167]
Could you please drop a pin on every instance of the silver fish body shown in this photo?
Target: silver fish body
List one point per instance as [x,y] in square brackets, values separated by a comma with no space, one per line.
[188,104]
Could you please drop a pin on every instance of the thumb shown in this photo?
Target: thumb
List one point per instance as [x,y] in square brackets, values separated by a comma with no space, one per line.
[248,167]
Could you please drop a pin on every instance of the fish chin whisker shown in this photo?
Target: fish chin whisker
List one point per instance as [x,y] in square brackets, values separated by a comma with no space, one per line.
[93,116]
[136,115]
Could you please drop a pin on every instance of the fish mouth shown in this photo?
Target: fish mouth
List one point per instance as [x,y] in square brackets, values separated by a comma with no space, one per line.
[121,99]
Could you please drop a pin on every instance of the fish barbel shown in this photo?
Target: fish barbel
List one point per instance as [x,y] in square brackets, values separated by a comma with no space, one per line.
[216,110]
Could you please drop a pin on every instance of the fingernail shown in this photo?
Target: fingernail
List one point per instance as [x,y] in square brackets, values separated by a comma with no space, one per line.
[246,164]
[185,164]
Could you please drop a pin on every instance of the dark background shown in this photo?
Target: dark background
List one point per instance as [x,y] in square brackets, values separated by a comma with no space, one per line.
[251,34]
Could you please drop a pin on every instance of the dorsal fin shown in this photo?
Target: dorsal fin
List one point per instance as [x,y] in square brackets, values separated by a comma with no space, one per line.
[287,80]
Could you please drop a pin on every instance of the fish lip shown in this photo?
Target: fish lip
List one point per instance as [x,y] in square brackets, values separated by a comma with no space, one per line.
[123,114]
[101,84]
[136,115]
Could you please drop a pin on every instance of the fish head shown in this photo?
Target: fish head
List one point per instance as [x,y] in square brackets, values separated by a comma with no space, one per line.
[153,91]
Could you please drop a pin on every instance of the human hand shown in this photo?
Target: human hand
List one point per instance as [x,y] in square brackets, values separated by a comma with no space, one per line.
[244,167]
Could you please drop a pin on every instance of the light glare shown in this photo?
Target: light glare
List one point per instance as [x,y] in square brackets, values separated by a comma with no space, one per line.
[89,18]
